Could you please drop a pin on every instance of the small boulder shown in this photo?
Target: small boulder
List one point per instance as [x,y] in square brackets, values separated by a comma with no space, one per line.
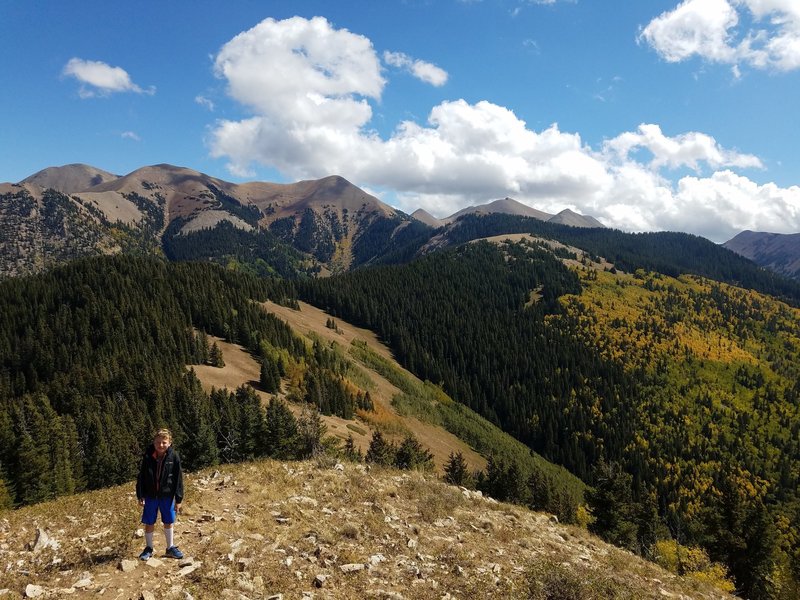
[34,591]
[126,566]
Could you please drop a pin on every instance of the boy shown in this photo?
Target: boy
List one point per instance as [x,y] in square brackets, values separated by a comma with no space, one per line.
[159,488]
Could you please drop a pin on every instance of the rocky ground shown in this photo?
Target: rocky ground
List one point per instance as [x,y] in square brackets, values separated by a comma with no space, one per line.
[318,530]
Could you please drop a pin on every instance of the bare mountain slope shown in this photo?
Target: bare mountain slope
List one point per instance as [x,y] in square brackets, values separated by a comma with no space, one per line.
[505,205]
[776,251]
[70,179]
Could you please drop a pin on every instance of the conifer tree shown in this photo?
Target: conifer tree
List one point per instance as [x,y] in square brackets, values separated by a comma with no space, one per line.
[215,358]
[380,451]
[611,504]
[456,471]
[351,452]
[281,436]
[413,455]
[310,431]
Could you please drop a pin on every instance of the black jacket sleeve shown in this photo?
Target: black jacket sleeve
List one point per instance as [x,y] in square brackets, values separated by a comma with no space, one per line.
[178,475]
[140,479]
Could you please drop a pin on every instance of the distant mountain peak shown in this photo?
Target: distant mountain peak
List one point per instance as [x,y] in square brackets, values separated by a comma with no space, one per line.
[70,179]
[779,252]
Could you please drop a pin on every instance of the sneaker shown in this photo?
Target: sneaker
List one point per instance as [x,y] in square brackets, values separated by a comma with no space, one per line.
[146,553]
[173,552]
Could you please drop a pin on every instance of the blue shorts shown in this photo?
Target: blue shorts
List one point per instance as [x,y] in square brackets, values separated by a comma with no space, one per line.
[152,506]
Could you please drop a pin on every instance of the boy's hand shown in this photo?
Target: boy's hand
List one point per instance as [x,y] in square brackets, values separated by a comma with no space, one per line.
[141,501]
[177,507]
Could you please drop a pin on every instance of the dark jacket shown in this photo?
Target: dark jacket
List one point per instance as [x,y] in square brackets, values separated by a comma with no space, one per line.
[163,480]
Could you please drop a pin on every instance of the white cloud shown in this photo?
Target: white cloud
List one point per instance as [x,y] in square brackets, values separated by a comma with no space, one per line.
[100,79]
[204,102]
[685,150]
[710,29]
[130,135]
[316,122]
[424,71]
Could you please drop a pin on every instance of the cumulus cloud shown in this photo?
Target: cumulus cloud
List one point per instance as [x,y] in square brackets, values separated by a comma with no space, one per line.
[100,79]
[768,38]
[130,135]
[424,71]
[309,87]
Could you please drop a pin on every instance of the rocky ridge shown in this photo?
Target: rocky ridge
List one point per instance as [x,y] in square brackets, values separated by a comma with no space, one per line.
[317,529]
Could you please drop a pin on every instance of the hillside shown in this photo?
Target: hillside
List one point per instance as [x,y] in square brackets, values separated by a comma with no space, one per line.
[688,385]
[269,529]
[776,251]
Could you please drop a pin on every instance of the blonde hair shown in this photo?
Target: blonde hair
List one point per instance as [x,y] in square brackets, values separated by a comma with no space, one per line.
[163,432]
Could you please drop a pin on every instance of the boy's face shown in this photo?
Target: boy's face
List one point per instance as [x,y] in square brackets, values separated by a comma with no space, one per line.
[161,443]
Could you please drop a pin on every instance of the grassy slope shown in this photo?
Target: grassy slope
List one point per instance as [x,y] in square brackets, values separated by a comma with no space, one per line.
[403,403]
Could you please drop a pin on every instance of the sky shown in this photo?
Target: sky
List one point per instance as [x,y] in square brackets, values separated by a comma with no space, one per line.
[658,115]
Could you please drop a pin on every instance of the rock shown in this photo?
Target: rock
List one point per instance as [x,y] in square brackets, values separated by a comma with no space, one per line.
[303,500]
[34,591]
[352,567]
[376,559]
[154,562]
[320,580]
[275,597]
[554,519]
[83,583]
[139,533]
[42,541]
[189,569]
[147,595]
[412,543]
[338,467]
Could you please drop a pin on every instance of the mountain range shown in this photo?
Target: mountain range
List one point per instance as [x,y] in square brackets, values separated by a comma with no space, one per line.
[326,225]
[321,226]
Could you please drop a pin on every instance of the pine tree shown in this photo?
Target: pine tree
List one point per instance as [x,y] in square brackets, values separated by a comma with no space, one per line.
[281,435]
[310,431]
[611,504]
[413,455]
[215,358]
[456,471]
[351,452]
[380,451]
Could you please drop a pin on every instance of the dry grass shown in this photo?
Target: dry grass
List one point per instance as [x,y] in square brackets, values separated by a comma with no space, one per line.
[267,527]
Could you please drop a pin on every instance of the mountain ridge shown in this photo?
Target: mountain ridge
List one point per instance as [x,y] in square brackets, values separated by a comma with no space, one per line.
[779,252]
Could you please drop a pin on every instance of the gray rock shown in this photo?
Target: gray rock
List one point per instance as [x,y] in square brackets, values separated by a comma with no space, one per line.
[147,595]
[320,580]
[189,569]
[154,562]
[34,591]
[352,567]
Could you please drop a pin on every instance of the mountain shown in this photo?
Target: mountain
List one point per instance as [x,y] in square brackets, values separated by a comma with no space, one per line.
[509,206]
[325,225]
[69,179]
[776,251]
[427,218]
[573,219]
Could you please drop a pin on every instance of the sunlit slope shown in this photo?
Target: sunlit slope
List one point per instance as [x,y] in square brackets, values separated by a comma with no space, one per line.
[722,366]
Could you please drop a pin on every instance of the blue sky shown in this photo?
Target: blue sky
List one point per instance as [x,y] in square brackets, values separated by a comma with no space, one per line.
[658,115]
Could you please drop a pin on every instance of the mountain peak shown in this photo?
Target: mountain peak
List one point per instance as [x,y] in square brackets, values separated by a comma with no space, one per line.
[70,179]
